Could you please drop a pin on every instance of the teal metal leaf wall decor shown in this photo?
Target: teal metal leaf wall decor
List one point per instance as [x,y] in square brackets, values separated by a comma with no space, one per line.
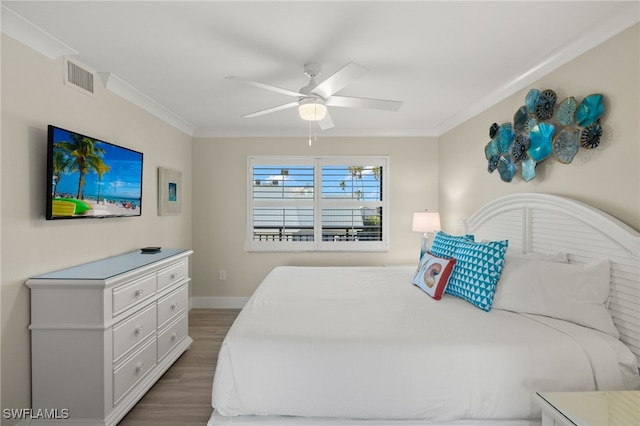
[543,128]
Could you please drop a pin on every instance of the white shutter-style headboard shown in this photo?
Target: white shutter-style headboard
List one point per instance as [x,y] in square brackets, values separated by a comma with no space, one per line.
[544,223]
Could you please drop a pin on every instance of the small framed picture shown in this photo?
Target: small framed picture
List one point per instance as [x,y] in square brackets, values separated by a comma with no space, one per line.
[169,192]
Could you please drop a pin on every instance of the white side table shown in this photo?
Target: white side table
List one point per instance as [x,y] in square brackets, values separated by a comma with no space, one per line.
[621,408]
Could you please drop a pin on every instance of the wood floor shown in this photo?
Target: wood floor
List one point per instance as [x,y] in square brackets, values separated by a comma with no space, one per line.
[182,396]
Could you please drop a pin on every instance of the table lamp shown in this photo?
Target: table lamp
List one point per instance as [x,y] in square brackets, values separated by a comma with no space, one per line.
[424,222]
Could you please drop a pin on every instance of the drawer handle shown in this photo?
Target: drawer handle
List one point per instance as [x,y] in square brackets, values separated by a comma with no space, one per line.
[139,292]
[139,329]
[174,275]
[174,335]
[139,367]
[174,305]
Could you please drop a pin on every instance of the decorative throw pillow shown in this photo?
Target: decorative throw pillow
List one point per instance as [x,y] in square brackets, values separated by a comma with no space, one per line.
[576,293]
[433,274]
[444,245]
[478,268]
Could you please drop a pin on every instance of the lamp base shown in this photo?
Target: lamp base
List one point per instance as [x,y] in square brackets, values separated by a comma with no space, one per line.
[423,245]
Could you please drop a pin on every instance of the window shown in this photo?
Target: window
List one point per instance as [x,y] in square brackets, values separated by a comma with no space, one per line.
[317,204]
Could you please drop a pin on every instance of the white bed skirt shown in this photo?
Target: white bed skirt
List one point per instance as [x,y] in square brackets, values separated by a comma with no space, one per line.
[217,420]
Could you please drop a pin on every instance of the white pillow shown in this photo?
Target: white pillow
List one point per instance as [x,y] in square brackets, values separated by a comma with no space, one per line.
[512,260]
[572,292]
[551,257]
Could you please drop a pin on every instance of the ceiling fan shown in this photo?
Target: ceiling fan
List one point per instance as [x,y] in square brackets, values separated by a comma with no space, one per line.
[314,98]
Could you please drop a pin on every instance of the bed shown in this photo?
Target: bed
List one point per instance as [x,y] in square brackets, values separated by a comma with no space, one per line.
[363,346]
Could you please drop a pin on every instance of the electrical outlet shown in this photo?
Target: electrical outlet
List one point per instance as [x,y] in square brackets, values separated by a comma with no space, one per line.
[222,275]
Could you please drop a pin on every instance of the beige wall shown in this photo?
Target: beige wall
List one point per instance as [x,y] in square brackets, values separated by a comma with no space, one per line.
[607,177]
[33,95]
[219,215]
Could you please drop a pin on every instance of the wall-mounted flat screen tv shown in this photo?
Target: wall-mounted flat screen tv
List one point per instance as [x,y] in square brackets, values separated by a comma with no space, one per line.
[90,178]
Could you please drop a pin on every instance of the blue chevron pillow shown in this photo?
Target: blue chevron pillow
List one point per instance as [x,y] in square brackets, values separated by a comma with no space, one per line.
[444,245]
[478,267]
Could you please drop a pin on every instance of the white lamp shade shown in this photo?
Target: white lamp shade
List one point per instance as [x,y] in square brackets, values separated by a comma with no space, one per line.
[312,109]
[426,221]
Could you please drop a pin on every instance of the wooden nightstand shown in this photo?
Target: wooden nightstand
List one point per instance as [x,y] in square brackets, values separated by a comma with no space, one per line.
[589,408]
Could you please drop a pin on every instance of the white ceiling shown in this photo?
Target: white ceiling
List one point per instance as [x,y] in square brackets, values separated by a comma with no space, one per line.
[446,61]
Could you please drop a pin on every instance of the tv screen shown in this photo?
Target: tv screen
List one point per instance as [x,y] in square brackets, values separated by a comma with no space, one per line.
[90,178]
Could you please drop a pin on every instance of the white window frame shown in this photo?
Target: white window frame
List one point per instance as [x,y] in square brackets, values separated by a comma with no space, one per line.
[318,203]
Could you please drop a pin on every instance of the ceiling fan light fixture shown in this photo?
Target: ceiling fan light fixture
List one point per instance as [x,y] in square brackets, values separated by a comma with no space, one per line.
[312,109]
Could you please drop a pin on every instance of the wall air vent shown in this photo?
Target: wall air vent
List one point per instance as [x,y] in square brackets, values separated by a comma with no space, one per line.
[78,77]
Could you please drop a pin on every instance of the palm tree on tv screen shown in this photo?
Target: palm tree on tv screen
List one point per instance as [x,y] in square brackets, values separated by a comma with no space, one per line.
[101,169]
[85,157]
[61,163]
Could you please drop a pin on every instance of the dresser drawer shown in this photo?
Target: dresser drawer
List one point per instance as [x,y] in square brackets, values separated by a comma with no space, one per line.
[128,294]
[131,331]
[127,375]
[172,274]
[172,304]
[171,335]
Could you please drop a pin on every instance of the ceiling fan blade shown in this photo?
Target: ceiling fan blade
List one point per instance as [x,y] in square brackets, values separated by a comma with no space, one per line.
[326,122]
[270,110]
[264,86]
[339,80]
[351,102]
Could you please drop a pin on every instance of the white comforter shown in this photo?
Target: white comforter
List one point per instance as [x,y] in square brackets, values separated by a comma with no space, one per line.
[362,342]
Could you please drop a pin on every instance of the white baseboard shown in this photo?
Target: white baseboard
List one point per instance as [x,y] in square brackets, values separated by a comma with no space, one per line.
[218,302]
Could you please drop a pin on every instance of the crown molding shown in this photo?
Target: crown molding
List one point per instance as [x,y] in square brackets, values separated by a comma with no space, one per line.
[625,15]
[15,26]
[123,89]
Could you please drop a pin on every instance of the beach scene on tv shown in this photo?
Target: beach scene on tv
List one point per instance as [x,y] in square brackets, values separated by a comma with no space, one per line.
[93,178]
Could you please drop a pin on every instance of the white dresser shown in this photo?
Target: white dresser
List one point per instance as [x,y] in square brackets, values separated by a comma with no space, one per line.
[103,333]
